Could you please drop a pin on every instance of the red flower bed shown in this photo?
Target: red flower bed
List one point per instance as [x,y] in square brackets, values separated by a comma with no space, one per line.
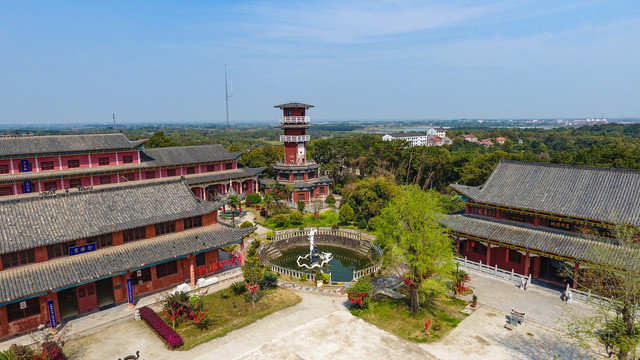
[161,327]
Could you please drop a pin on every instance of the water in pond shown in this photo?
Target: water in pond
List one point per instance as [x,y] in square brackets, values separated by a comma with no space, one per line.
[341,266]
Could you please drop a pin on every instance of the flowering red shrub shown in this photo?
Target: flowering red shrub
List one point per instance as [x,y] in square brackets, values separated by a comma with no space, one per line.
[248,203]
[51,351]
[161,327]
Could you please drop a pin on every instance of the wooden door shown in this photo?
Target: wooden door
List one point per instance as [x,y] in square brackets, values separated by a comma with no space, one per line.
[87,297]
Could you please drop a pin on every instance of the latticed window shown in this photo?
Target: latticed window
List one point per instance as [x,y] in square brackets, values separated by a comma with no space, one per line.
[18,258]
[103,161]
[191,170]
[141,276]
[6,190]
[75,182]
[46,165]
[58,250]
[166,269]
[211,168]
[50,185]
[101,240]
[23,309]
[171,172]
[128,176]
[73,164]
[105,179]
[165,228]
[150,174]
[4,169]
[134,234]
[192,222]
[228,166]
[127,159]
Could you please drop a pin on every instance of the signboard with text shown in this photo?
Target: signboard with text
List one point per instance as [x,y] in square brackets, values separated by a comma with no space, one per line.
[52,314]
[130,290]
[27,186]
[81,249]
[24,166]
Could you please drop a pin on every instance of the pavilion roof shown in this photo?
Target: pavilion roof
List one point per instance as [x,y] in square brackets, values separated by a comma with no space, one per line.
[600,194]
[26,281]
[30,221]
[293,105]
[22,145]
[565,244]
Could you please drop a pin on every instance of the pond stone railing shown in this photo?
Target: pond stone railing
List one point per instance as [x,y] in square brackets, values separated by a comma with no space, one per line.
[355,241]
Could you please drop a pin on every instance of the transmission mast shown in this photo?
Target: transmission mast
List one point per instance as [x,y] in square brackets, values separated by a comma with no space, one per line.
[114,120]
[227,94]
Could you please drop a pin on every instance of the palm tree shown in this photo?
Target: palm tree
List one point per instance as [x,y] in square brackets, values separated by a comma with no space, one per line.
[268,201]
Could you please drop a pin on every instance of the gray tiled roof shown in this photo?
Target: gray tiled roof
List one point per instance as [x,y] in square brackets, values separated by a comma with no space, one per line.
[545,240]
[187,154]
[64,143]
[32,221]
[603,194]
[293,105]
[239,173]
[36,278]
[322,180]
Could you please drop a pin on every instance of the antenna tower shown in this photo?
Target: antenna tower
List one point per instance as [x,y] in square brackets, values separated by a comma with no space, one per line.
[114,120]
[226,94]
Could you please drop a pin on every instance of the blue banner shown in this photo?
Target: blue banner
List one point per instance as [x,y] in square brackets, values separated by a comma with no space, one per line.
[24,166]
[52,314]
[81,249]
[27,186]
[130,290]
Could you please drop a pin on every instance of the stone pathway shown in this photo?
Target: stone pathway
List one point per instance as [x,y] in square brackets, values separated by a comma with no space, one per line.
[311,289]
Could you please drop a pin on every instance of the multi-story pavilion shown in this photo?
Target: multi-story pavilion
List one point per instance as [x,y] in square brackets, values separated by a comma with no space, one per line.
[72,252]
[531,218]
[296,170]
[42,163]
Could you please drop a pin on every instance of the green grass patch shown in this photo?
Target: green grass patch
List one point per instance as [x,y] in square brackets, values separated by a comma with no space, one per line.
[228,312]
[394,316]
[327,219]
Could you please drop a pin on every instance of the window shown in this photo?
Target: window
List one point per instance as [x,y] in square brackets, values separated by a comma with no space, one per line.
[4,169]
[58,250]
[101,240]
[514,256]
[105,179]
[129,177]
[150,175]
[50,185]
[6,190]
[284,176]
[474,210]
[301,197]
[491,212]
[73,164]
[171,172]
[23,309]
[46,165]
[103,161]
[141,276]
[18,258]
[211,168]
[127,159]
[166,269]
[228,166]
[134,234]
[190,223]
[480,249]
[321,190]
[191,170]
[165,228]
[73,183]
[289,112]
[200,260]
[312,175]
[298,176]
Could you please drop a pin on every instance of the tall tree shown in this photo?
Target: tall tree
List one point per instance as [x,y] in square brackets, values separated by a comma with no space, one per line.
[234,203]
[615,323]
[253,271]
[410,235]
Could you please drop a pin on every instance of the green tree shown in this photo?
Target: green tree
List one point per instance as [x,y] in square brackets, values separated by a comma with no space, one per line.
[409,233]
[296,217]
[268,201]
[159,139]
[346,213]
[234,203]
[253,271]
[330,200]
[301,206]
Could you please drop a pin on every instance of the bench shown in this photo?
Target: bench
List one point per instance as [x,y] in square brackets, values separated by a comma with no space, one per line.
[517,317]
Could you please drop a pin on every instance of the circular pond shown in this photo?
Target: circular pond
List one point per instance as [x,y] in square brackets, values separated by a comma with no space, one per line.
[341,267]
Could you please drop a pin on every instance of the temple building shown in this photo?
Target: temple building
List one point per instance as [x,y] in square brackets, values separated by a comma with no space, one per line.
[531,218]
[72,252]
[44,163]
[296,170]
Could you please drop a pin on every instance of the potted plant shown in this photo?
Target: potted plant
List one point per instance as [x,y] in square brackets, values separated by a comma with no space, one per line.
[474,300]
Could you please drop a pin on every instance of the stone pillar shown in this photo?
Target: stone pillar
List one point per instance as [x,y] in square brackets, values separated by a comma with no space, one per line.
[576,271]
[527,264]
[192,269]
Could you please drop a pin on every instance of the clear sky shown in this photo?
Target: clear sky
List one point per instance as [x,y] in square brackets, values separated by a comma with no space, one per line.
[163,61]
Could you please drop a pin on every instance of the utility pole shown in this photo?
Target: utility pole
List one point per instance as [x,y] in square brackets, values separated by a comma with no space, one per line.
[226,94]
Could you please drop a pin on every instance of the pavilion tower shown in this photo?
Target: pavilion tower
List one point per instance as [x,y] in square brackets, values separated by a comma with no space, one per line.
[296,169]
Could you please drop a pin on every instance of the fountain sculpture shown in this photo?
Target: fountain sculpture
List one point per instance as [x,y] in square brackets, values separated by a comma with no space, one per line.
[315,257]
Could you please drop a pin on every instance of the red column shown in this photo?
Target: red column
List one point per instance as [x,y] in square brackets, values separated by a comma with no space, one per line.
[466,208]
[527,264]
[488,254]
[458,245]
[576,270]
[536,266]
[498,214]
[536,220]
[4,321]
[192,269]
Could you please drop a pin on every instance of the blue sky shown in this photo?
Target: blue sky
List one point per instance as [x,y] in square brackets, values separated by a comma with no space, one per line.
[163,61]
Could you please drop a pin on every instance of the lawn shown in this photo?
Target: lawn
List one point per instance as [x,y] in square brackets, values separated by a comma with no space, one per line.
[228,312]
[327,219]
[393,316]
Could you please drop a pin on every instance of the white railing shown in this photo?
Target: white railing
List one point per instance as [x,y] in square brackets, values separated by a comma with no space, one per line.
[320,231]
[294,138]
[294,119]
[364,272]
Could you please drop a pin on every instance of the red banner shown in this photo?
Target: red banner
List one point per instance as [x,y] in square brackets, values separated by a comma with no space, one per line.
[220,265]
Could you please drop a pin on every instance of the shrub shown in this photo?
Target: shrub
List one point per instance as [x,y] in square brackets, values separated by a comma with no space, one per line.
[301,205]
[254,198]
[52,351]
[176,300]
[258,207]
[225,295]
[296,218]
[269,234]
[238,288]
[335,226]
[303,277]
[269,280]
[360,293]
[246,224]
[263,212]
[165,331]
[362,224]
[281,220]
[330,200]
[22,352]
[346,213]
[248,204]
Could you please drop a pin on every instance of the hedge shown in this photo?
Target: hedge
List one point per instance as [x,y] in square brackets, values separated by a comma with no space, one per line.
[161,327]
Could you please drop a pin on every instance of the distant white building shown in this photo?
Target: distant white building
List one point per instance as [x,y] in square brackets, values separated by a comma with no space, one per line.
[420,139]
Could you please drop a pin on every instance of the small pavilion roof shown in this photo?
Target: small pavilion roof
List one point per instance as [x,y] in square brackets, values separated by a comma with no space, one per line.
[293,105]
